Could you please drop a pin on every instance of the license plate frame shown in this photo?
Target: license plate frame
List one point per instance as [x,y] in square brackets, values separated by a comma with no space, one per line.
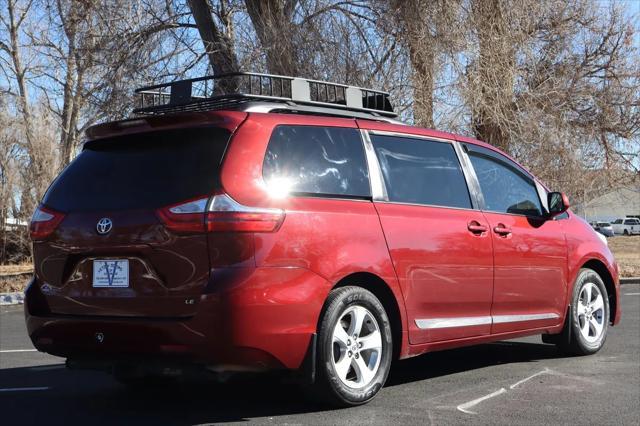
[110,273]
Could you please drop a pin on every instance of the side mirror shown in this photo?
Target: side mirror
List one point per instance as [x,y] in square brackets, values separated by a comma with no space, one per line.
[558,203]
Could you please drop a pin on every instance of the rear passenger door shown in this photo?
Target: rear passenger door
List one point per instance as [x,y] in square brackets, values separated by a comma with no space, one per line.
[439,244]
[530,253]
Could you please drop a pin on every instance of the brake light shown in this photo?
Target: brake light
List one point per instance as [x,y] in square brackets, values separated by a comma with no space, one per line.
[43,222]
[227,215]
[186,217]
[223,214]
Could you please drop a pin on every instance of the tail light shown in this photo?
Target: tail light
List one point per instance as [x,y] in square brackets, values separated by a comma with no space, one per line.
[221,213]
[227,215]
[186,217]
[43,222]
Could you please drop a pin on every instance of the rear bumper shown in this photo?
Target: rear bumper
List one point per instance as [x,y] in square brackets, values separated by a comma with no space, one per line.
[249,318]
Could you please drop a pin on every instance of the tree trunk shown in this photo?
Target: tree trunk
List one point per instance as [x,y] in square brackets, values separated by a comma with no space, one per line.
[217,45]
[423,65]
[493,112]
[273,22]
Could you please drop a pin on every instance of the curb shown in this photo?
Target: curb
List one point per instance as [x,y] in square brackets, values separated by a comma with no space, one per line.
[15,298]
[630,280]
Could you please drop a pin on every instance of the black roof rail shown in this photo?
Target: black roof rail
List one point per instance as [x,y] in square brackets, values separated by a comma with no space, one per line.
[240,90]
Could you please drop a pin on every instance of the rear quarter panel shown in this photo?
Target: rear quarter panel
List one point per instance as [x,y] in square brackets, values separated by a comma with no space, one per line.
[332,238]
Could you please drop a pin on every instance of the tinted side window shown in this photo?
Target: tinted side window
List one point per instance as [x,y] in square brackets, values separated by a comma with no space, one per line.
[506,188]
[617,221]
[318,160]
[631,222]
[421,171]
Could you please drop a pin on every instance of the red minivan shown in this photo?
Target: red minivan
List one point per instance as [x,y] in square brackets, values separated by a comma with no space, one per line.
[280,223]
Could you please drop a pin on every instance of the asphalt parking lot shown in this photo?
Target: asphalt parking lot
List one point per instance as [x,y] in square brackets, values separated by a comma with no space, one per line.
[515,382]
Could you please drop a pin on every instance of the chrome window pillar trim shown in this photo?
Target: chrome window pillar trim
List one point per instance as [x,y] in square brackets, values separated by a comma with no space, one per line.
[435,323]
[408,135]
[477,198]
[378,188]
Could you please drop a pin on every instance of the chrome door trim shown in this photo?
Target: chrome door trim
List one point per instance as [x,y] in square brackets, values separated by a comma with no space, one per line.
[378,188]
[501,319]
[452,322]
[434,323]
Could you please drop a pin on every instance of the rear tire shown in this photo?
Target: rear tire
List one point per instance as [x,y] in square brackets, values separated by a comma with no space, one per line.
[354,347]
[589,311]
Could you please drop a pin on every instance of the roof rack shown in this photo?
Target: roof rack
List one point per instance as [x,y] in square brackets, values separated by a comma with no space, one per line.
[242,90]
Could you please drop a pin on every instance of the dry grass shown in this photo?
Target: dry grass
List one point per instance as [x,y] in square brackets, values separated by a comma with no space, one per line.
[625,249]
[627,253]
[9,284]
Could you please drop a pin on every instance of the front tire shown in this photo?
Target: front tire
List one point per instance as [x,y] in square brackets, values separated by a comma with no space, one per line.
[354,347]
[589,314]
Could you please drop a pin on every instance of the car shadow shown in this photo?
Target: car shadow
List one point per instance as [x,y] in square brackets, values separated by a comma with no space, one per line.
[443,363]
[85,397]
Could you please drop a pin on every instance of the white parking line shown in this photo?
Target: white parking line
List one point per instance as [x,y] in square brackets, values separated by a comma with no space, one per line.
[10,351]
[518,383]
[632,294]
[24,389]
[465,407]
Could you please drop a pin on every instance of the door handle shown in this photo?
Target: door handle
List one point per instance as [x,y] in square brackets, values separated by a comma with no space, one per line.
[502,230]
[476,228]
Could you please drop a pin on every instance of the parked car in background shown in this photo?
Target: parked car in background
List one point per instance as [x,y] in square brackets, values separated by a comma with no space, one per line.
[314,234]
[626,226]
[604,228]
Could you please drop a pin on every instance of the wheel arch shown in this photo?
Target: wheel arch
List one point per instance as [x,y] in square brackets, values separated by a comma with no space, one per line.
[601,269]
[383,292]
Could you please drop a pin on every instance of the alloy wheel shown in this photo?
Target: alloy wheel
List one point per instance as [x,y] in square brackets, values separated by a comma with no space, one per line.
[357,347]
[591,314]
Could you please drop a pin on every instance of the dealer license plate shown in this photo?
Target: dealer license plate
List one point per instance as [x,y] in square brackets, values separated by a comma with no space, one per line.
[111,273]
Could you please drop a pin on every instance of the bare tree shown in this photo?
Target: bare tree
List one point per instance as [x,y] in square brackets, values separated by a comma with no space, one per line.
[37,170]
[555,83]
[494,73]
[216,33]
[273,23]
[94,53]
[428,31]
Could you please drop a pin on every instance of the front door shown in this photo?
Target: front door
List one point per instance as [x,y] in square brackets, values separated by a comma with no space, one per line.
[439,244]
[530,253]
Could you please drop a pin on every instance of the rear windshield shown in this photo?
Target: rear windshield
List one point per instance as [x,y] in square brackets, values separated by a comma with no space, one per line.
[141,171]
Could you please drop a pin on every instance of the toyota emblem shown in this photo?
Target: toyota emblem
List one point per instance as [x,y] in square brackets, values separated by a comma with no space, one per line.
[104,226]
